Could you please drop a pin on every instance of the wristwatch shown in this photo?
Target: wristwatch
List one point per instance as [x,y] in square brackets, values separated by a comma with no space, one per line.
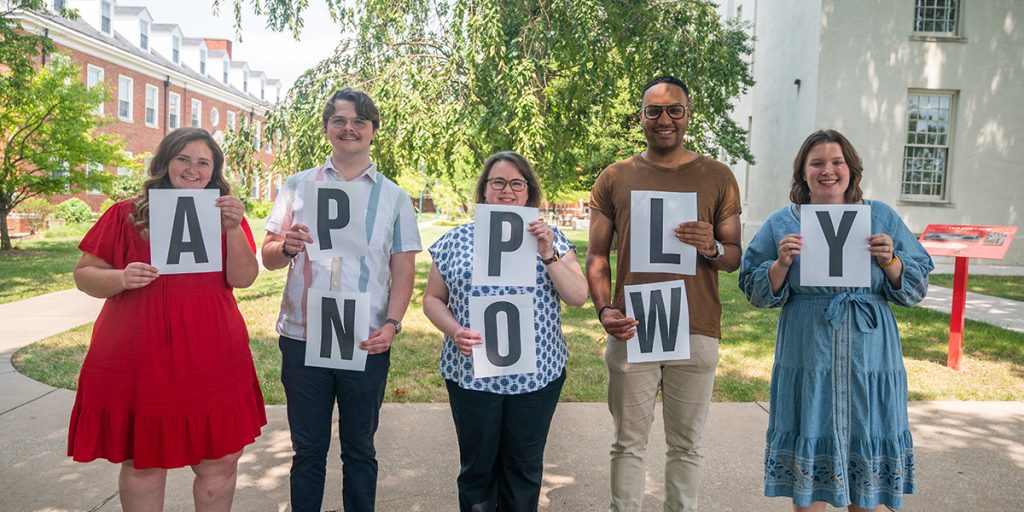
[554,257]
[719,252]
[396,323]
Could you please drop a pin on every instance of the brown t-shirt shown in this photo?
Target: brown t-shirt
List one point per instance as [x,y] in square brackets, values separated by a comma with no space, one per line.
[718,198]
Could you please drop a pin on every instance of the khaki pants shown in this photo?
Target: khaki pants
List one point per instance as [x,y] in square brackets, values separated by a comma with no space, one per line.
[686,394]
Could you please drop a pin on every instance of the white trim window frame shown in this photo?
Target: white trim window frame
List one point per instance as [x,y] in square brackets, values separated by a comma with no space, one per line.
[125,91]
[928,145]
[144,35]
[231,120]
[225,69]
[940,18]
[197,113]
[152,106]
[202,61]
[94,77]
[175,49]
[107,17]
[214,117]
[91,169]
[173,110]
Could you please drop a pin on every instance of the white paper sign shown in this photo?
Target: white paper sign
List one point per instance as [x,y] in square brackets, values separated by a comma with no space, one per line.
[184,231]
[335,213]
[506,324]
[653,245]
[504,251]
[336,323]
[663,333]
[835,245]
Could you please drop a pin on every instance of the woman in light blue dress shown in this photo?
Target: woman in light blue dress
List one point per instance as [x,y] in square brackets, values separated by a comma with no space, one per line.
[838,431]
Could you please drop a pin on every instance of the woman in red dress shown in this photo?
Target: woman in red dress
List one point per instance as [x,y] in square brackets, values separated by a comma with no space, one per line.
[169,379]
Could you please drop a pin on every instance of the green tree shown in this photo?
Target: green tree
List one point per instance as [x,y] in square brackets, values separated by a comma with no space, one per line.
[240,156]
[47,132]
[557,80]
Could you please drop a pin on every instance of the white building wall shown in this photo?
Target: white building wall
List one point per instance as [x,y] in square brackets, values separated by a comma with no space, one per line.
[869,63]
[781,112]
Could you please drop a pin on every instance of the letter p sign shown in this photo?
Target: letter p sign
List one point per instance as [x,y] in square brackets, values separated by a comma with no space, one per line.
[504,252]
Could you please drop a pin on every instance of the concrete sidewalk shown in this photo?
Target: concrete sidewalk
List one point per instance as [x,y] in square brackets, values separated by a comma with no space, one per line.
[970,455]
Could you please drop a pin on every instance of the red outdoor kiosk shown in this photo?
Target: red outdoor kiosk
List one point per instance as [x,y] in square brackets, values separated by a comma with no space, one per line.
[963,242]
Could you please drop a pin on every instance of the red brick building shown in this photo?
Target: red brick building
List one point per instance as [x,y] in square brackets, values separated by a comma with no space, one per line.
[158,79]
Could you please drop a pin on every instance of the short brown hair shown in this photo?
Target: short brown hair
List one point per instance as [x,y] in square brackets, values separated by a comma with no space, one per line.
[532,183]
[800,192]
[364,106]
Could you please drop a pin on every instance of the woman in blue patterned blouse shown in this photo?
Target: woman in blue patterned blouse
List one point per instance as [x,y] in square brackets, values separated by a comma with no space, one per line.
[502,422]
[838,431]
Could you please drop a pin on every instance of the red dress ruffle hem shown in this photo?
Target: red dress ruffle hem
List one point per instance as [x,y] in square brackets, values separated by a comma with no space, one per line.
[169,379]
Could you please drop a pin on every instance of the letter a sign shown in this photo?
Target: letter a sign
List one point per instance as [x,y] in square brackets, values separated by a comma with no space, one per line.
[663,333]
[504,252]
[337,322]
[652,231]
[506,323]
[835,246]
[184,231]
[335,213]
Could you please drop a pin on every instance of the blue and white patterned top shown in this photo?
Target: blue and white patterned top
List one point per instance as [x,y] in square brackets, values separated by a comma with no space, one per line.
[453,255]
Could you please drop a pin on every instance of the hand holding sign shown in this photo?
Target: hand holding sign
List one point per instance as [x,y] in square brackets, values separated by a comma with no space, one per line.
[465,339]
[545,237]
[882,248]
[789,248]
[336,215]
[699,234]
[663,328]
[137,274]
[296,238]
[619,326]
[231,212]
[379,341]
[509,341]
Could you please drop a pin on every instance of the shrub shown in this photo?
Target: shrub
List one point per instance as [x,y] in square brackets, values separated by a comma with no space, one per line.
[74,211]
[125,186]
[257,209]
[39,210]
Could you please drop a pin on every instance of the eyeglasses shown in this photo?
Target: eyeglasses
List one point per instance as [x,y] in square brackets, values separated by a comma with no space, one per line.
[358,122]
[676,111]
[500,184]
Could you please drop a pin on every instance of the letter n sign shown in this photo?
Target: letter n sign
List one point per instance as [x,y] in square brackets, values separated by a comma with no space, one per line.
[336,323]
[663,333]
[184,231]
[506,323]
[835,245]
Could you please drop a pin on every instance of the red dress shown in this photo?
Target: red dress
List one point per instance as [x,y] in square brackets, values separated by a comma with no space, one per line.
[169,379]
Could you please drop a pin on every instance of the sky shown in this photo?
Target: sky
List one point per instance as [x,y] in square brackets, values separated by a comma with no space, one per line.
[279,55]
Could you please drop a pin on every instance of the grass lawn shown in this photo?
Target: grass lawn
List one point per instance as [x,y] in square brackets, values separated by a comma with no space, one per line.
[993,358]
[1007,287]
[40,265]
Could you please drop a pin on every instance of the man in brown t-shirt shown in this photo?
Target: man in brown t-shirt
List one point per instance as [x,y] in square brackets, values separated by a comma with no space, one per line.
[667,166]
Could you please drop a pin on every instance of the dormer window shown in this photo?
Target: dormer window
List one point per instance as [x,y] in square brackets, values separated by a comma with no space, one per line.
[176,49]
[263,90]
[225,70]
[106,10]
[58,6]
[144,34]
[202,61]
[245,81]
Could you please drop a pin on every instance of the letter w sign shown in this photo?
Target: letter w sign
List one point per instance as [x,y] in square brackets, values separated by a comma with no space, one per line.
[663,333]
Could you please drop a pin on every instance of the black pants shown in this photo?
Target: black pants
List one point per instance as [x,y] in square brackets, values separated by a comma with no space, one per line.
[501,446]
[312,393]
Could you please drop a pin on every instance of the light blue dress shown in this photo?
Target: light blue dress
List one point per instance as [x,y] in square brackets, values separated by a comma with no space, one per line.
[838,429]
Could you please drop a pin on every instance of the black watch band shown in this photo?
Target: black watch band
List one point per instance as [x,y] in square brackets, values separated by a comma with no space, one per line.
[396,323]
[601,311]
[284,250]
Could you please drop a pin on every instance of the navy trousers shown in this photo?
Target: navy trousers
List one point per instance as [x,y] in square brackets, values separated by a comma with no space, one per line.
[312,393]
[501,446]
